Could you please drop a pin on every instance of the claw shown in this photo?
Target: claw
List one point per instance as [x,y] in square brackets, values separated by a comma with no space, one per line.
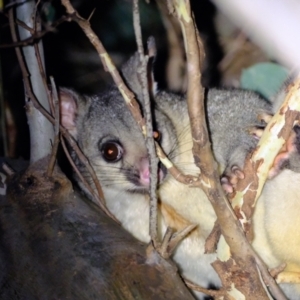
[238,172]
[255,131]
[264,117]
[227,187]
[231,178]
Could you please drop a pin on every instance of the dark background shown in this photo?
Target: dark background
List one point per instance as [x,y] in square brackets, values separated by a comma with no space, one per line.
[73,62]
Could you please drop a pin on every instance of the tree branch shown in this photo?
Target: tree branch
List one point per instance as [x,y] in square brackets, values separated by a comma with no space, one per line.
[240,254]
[143,76]
[56,129]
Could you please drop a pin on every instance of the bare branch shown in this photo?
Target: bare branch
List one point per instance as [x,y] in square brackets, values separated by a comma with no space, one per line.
[56,129]
[163,249]
[240,252]
[179,236]
[257,168]
[43,77]
[41,131]
[213,238]
[137,28]
[88,187]
[175,67]
[212,293]
[153,227]
[3,118]
[174,171]
[36,35]
[7,169]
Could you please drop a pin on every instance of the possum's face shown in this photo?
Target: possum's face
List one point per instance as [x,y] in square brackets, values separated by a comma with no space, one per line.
[112,141]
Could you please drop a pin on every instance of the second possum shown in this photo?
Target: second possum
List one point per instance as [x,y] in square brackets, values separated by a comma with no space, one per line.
[109,136]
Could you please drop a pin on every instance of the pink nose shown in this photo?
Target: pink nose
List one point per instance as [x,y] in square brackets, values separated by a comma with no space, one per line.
[145,172]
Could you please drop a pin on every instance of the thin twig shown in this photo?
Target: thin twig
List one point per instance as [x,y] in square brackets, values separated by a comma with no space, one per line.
[275,271]
[212,293]
[13,3]
[56,129]
[137,28]
[174,171]
[179,236]
[3,125]
[91,15]
[153,227]
[267,278]
[36,36]
[43,75]
[175,67]
[7,169]
[235,46]
[85,183]
[163,249]
[213,238]
[36,25]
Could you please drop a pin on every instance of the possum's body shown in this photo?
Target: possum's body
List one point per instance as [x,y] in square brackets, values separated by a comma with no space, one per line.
[114,145]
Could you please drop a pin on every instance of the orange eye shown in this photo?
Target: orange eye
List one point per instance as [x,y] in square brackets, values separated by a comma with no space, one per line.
[157,135]
[112,151]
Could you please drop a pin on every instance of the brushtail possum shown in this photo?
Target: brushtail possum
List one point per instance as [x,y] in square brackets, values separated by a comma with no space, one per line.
[109,136]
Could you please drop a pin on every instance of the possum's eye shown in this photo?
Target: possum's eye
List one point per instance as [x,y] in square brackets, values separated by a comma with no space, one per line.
[111,151]
[157,136]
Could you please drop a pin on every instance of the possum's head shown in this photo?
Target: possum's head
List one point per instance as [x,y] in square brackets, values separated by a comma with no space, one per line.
[111,139]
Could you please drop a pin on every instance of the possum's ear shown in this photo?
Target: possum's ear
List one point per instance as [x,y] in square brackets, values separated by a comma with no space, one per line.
[68,100]
[152,53]
[131,75]
[131,71]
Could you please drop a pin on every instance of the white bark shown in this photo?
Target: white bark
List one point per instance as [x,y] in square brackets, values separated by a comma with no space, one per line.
[41,130]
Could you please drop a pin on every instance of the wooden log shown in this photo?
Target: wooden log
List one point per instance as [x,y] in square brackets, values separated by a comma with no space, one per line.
[56,244]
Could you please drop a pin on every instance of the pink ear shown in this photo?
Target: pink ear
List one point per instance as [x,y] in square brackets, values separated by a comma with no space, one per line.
[68,111]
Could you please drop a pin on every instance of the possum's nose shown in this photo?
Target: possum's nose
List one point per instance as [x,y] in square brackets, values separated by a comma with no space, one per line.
[144,169]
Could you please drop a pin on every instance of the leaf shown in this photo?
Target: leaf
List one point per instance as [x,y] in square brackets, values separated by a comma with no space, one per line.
[265,78]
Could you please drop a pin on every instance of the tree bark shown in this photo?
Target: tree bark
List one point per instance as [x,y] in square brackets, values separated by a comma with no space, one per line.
[55,244]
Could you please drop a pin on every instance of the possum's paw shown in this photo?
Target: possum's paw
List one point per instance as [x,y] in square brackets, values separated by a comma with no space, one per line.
[264,117]
[287,158]
[230,178]
[234,170]
[290,149]
[255,131]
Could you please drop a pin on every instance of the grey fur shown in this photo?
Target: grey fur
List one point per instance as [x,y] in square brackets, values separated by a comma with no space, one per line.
[105,117]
